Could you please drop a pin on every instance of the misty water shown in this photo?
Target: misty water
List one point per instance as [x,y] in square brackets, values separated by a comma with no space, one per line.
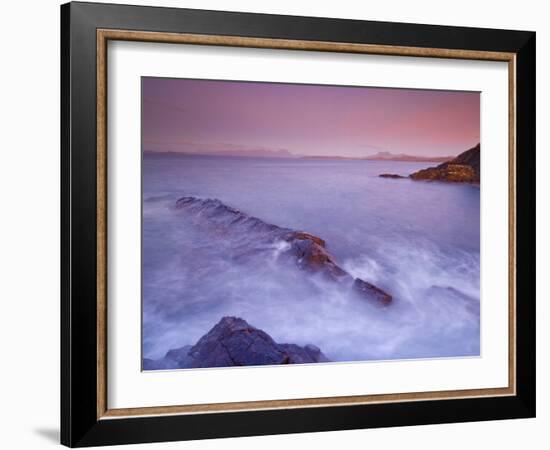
[418,241]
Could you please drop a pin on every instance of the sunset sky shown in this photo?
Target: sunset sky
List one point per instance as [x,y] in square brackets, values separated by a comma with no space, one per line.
[201,116]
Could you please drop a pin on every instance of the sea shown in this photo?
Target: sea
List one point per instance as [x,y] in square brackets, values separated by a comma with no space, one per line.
[418,241]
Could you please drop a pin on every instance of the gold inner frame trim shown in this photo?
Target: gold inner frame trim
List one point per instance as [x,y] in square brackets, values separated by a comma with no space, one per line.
[103,36]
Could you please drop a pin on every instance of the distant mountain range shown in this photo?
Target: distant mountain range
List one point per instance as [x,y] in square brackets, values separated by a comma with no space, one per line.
[380,156]
[387,156]
[237,153]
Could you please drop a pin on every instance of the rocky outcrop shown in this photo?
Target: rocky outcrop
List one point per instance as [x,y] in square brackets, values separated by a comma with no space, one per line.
[465,168]
[391,175]
[253,236]
[372,292]
[451,172]
[233,342]
[470,158]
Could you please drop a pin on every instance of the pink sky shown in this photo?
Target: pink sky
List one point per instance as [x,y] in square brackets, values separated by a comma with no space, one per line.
[213,116]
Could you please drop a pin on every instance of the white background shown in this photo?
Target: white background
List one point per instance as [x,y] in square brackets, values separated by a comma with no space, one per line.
[130,388]
[29,246]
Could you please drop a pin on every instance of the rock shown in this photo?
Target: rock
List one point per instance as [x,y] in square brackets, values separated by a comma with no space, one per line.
[172,360]
[150,364]
[390,175]
[233,342]
[179,356]
[302,235]
[303,355]
[312,256]
[465,168]
[454,297]
[367,289]
[452,172]
[254,237]
[470,158]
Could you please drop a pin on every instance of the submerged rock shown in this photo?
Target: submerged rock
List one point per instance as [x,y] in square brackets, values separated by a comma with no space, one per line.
[174,359]
[233,342]
[310,254]
[254,236]
[454,297]
[371,290]
[390,175]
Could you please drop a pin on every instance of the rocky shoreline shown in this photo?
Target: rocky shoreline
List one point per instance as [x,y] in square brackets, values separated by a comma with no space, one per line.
[465,168]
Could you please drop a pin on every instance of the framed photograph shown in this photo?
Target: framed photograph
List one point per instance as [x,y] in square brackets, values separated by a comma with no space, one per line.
[276,224]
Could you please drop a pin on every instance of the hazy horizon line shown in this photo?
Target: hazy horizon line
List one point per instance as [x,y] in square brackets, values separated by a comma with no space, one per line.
[291,155]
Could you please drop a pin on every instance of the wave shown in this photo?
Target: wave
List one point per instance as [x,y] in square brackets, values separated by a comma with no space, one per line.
[253,237]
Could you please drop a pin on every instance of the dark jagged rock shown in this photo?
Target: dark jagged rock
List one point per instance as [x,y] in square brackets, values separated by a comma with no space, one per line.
[233,342]
[310,254]
[372,291]
[465,168]
[303,355]
[470,158]
[391,175]
[254,236]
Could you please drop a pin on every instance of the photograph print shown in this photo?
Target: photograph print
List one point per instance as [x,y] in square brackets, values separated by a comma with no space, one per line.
[298,224]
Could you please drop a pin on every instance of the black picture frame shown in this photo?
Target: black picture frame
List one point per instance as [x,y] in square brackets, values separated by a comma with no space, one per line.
[80,425]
